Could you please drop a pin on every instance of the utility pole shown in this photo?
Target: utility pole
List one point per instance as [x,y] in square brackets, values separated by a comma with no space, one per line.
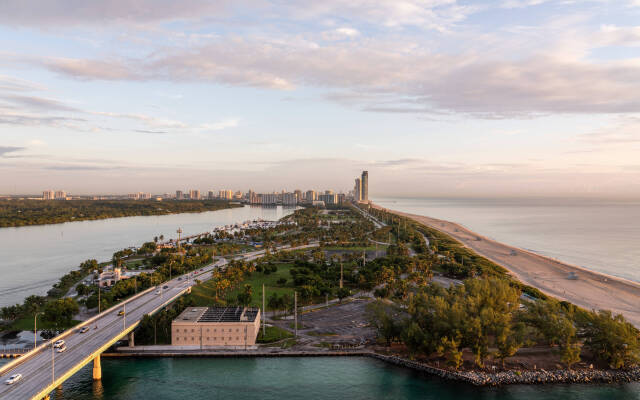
[341,274]
[124,317]
[264,317]
[179,231]
[295,313]
[98,297]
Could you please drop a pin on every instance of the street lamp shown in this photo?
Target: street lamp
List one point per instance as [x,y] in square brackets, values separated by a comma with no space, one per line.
[35,331]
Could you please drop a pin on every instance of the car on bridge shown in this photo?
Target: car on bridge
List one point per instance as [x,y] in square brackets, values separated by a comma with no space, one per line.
[58,343]
[13,379]
[62,348]
[84,329]
[165,287]
[121,312]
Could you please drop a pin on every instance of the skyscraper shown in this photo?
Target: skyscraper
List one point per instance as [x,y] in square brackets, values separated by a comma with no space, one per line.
[357,191]
[364,182]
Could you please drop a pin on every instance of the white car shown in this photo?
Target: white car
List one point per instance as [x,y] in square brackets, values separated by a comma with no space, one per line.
[13,379]
[59,343]
[84,329]
[62,349]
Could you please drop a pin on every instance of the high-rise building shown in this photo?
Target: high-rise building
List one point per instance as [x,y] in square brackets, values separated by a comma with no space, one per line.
[194,194]
[298,194]
[60,195]
[311,196]
[364,182]
[48,195]
[179,195]
[211,194]
[289,199]
[226,194]
[328,198]
[357,190]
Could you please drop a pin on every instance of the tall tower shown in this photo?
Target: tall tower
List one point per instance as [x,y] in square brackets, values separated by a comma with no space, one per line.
[357,191]
[364,183]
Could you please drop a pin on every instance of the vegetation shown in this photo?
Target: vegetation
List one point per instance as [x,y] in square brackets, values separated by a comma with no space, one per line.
[486,314]
[38,212]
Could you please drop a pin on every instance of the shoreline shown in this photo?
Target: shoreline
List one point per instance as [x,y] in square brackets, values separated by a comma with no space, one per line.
[591,290]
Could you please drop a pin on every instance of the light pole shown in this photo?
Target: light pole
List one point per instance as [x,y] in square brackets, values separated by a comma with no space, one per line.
[124,317]
[35,331]
[53,374]
[98,297]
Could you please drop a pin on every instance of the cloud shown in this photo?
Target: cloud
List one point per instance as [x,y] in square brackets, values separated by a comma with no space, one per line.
[424,14]
[217,126]
[625,132]
[407,81]
[9,149]
[79,12]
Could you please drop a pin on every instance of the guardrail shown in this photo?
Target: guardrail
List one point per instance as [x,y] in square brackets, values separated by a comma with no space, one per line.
[66,333]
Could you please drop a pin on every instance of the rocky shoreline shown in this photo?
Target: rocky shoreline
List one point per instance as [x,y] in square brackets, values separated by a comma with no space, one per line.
[481,378]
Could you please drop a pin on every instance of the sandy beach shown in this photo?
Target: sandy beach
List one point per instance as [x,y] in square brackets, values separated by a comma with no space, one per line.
[592,290]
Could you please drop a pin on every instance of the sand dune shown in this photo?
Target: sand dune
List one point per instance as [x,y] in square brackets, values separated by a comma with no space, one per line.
[592,290]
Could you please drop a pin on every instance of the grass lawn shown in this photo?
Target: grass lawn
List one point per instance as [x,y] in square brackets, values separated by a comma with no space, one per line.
[204,294]
[26,324]
[274,334]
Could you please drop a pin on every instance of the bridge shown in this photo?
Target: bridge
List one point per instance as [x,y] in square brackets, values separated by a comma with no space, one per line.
[43,369]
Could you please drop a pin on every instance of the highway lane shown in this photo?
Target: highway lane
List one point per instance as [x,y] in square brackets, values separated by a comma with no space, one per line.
[37,368]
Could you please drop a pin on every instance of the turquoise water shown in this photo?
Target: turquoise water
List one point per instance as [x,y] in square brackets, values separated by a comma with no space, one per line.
[601,235]
[299,378]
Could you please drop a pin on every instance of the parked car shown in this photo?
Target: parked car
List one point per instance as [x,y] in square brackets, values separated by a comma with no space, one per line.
[58,343]
[13,379]
[62,349]
[84,329]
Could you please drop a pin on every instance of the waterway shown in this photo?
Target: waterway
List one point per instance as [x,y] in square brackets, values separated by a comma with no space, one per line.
[35,257]
[327,378]
[597,234]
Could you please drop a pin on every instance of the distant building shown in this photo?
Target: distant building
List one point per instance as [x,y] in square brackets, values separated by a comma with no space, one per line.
[211,195]
[60,195]
[289,199]
[341,198]
[311,196]
[357,190]
[268,198]
[194,194]
[48,195]
[364,181]
[179,195]
[235,327]
[226,194]
[328,199]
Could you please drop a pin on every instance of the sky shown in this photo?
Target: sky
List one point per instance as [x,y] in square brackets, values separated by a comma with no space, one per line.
[432,97]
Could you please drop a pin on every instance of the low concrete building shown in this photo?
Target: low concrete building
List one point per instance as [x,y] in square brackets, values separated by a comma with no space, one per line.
[230,327]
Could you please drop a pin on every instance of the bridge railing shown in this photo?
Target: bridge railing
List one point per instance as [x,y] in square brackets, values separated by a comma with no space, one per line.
[66,333]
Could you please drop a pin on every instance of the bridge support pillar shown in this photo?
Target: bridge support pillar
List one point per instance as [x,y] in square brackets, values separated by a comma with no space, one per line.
[97,369]
[132,342]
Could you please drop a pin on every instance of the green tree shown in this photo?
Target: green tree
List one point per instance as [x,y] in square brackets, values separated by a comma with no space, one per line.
[61,311]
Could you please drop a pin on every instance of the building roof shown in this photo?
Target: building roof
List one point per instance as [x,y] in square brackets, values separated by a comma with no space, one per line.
[218,314]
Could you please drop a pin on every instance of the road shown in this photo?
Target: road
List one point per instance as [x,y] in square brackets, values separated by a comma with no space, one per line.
[44,367]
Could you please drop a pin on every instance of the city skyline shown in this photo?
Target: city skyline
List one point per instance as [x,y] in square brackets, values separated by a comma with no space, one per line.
[435,98]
